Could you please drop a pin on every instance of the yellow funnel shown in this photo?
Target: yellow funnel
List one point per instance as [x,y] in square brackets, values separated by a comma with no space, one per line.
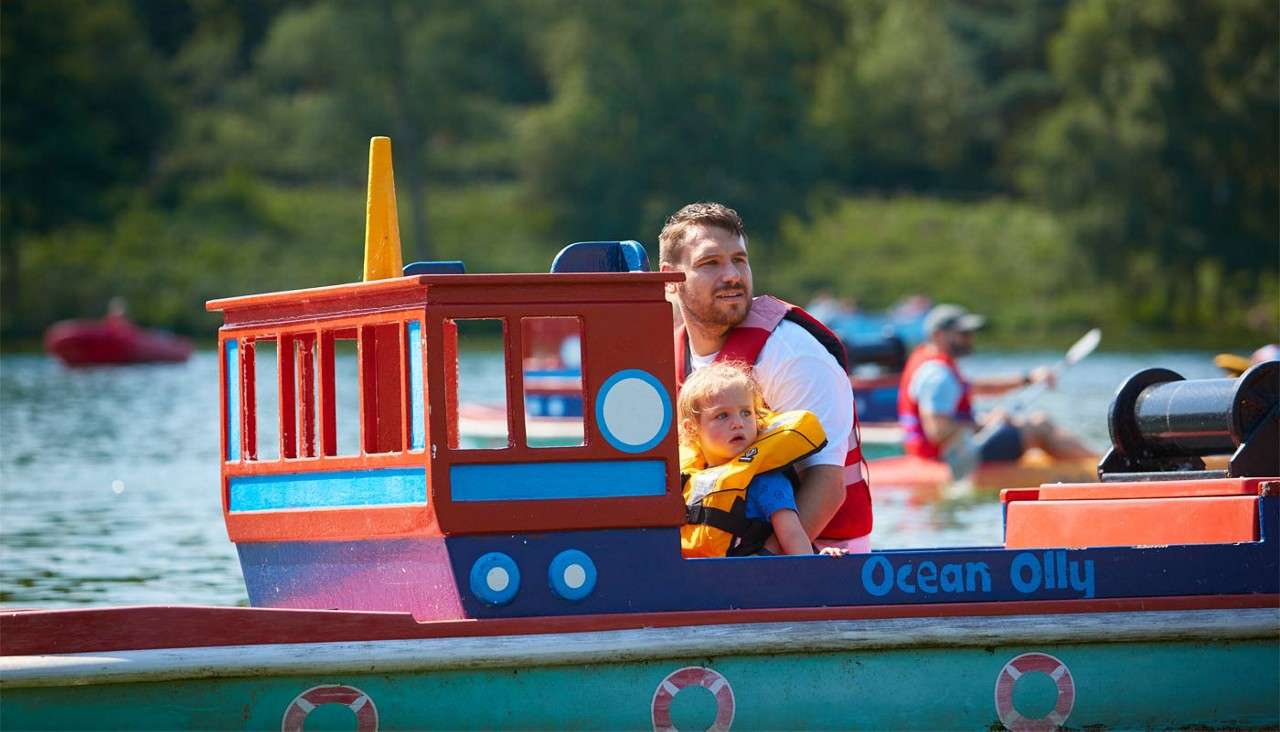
[381,222]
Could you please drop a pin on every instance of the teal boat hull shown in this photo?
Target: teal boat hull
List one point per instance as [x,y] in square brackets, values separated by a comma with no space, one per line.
[1213,668]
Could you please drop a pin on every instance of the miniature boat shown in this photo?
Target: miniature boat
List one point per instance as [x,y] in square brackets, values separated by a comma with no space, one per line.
[112,341]
[420,583]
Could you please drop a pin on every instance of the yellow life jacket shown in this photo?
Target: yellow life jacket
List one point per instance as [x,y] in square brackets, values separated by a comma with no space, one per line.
[716,523]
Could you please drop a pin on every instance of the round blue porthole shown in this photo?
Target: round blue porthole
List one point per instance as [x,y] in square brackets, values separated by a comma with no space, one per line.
[633,410]
[572,574]
[495,578]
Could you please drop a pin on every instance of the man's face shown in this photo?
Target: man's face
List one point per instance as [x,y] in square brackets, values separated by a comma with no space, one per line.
[957,342]
[716,292]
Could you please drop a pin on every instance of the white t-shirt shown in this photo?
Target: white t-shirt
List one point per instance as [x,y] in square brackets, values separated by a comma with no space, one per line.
[796,372]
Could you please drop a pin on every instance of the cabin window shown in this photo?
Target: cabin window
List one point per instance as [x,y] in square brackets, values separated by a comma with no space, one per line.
[342,411]
[479,393]
[232,389]
[552,362]
[265,437]
[417,408]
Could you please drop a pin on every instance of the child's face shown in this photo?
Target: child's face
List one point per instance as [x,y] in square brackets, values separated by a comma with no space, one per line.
[727,425]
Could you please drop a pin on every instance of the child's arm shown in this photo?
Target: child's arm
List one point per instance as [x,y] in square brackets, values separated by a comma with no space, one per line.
[789,532]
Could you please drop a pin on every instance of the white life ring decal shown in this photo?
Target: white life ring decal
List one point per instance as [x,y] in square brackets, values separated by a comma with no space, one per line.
[348,696]
[1025,663]
[692,676]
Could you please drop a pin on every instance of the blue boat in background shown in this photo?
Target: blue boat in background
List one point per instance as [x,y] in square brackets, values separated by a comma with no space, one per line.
[904,321]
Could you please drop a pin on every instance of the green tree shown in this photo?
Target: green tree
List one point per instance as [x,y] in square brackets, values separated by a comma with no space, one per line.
[331,74]
[76,131]
[924,94]
[1164,151]
[656,104]
[894,103]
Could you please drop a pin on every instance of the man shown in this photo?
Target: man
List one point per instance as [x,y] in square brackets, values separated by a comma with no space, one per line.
[798,362]
[935,406]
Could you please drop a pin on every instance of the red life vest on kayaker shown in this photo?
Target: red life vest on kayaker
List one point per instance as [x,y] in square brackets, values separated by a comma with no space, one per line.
[744,343]
[914,440]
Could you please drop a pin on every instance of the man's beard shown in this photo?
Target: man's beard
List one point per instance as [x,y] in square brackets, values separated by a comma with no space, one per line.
[711,313]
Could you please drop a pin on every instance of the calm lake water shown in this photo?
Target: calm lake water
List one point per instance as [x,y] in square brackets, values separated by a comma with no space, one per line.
[109,477]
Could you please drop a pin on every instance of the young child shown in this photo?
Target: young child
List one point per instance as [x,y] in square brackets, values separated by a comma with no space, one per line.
[722,413]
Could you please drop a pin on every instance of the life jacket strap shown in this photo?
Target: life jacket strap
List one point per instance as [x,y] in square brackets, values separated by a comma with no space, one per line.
[750,533]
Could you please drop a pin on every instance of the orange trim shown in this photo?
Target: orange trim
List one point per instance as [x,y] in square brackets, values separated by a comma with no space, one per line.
[416,459]
[328,292]
[479,283]
[1019,494]
[336,524]
[1131,522]
[1155,489]
[401,315]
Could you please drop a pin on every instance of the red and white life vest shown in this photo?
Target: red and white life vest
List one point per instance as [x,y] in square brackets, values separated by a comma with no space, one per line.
[914,440]
[744,343]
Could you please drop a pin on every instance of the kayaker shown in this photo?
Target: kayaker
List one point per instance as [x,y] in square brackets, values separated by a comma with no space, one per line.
[736,486]
[115,317]
[935,408]
[798,362]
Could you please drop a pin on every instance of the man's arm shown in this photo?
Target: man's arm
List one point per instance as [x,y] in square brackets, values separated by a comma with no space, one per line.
[796,372]
[996,385]
[810,382]
[820,496]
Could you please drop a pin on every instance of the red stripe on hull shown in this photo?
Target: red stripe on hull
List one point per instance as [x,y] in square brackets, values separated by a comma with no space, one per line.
[37,632]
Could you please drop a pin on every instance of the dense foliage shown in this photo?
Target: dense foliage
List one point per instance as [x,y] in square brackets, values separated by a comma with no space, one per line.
[1052,163]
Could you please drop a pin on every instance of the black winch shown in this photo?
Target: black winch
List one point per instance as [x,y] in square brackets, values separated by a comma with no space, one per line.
[1163,426]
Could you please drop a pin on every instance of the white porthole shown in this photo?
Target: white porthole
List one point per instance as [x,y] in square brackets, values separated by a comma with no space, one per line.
[574,576]
[497,579]
[634,411]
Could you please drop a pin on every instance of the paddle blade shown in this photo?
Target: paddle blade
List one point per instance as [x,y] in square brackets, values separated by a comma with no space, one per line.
[1083,347]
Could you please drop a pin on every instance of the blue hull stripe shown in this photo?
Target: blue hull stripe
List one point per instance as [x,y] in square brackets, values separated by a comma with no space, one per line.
[329,490]
[545,481]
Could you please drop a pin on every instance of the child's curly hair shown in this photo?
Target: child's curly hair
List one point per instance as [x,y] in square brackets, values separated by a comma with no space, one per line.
[707,382]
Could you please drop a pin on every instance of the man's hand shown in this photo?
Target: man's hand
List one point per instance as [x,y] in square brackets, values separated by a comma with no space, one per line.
[819,497]
[1043,375]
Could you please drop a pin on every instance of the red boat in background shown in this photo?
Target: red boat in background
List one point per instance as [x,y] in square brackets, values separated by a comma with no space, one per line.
[112,341]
